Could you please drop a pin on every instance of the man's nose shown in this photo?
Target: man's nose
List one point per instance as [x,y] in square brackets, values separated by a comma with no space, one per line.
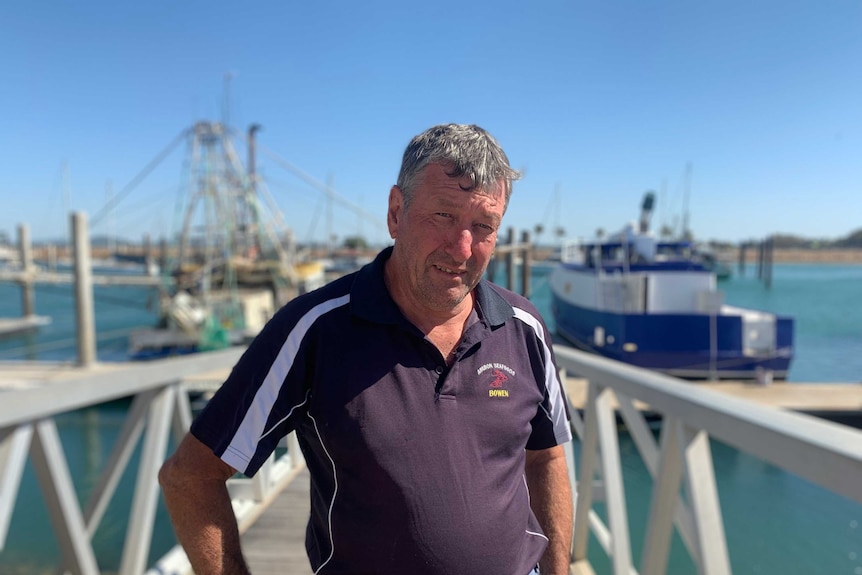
[461,245]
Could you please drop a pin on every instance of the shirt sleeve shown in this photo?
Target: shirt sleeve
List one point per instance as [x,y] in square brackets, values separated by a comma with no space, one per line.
[261,401]
[551,424]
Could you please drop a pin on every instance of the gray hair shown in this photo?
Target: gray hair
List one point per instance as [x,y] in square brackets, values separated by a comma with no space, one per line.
[464,150]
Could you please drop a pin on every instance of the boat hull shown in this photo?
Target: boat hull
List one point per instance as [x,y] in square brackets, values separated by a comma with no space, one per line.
[686,345]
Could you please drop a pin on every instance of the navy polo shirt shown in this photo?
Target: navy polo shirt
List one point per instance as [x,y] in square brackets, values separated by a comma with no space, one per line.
[415,467]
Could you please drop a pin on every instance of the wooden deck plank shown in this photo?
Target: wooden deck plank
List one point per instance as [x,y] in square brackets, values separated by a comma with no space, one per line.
[275,544]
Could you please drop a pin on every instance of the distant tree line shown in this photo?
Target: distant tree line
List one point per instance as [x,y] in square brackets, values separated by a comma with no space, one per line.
[790,241]
[852,240]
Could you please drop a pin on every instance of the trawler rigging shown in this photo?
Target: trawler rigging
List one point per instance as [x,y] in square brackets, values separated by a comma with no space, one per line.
[236,261]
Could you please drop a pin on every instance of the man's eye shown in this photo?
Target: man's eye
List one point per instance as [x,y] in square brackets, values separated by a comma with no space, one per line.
[444,214]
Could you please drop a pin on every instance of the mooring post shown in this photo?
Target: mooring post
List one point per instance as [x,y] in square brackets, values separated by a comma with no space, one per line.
[526,263]
[84,313]
[163,254]
[742,247]
[28,291]
[51,255]
[767,262]
[761,249]
[148,252]
[510,260]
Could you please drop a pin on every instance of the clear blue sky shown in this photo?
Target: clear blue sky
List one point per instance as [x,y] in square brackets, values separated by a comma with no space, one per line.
[600,100]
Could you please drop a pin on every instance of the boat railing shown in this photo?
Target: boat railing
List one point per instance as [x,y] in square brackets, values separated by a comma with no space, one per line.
[159,412]
[571,251]
[623,293]
[684,493]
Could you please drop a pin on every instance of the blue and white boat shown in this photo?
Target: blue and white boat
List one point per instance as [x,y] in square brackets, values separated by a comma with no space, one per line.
[654,304]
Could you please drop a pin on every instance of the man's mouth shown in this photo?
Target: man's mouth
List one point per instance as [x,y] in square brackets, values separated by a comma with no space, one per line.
[449,270]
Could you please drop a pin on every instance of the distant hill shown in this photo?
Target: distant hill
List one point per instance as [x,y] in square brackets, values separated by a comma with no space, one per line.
[853,240]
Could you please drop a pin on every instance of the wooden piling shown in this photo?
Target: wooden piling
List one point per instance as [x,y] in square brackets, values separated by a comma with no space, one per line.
[760,259]
[28,289]
[511,252]
[526,264]
[163,254]
[52,257]
[83,277]
[510,260]
[769,245]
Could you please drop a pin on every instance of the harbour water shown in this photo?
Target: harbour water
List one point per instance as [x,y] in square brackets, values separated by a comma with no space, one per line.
[774,521]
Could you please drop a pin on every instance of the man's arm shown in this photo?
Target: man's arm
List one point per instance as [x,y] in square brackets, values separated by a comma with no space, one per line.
[551,500]
[193,482]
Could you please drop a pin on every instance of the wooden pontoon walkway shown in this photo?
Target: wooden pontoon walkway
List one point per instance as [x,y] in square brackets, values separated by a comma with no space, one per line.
[10,326]
[275,544]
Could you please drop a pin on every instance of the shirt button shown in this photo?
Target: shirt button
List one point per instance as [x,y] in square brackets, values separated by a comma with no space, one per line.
[439,369]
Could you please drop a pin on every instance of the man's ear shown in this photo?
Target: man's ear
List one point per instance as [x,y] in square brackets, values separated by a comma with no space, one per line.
[393,215]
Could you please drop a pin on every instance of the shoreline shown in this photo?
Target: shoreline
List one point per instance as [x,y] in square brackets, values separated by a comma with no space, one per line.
[779,255]
[803,256]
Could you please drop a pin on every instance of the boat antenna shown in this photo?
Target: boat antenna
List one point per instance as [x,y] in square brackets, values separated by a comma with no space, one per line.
[646,211]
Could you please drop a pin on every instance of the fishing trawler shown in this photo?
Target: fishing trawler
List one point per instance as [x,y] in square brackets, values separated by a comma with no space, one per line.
[655,304]
[233,267]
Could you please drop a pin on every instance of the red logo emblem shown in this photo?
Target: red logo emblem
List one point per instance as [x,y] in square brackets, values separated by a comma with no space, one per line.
[499,378]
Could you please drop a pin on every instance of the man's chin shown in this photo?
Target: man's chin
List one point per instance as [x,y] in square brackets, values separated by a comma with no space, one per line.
[444,300]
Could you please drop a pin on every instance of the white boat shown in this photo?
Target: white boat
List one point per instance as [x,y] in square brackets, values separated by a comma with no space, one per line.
[655,304]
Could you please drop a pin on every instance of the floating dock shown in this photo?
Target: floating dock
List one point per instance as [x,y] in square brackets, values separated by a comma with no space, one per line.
[820,398]
[10,326]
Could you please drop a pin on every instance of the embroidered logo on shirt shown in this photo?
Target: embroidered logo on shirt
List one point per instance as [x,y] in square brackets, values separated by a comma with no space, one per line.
[499,374]
[499,378]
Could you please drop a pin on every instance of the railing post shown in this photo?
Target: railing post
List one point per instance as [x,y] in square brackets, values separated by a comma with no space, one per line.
[612,475]
[703,493]
[664,498]
[296,457]
[589,456]
[142,518]
[52,470]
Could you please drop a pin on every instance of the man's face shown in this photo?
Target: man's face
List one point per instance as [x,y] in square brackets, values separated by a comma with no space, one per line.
[444,239]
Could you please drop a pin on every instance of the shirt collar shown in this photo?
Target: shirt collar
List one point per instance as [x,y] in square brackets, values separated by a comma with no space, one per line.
[369,298]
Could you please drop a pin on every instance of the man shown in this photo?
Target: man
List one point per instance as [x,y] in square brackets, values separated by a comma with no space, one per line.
[425,400]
